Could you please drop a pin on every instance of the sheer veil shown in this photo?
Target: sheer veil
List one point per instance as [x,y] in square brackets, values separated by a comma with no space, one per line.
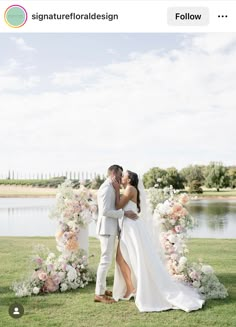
[152,225]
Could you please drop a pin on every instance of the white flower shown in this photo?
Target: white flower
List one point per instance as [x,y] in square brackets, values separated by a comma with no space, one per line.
[51,255]
[64,287]
[207,269]
[61,275]
[196,284]
[22,290]
[182,261]
[72,274]
[72,224]
[74,286]
[171,238]
[36,290]
[161,209]
[179,269]
[50,258]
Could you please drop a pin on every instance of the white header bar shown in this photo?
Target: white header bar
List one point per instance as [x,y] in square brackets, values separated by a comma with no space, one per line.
[117,16]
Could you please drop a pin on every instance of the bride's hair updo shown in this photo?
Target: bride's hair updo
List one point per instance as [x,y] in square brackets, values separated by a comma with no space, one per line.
[134,182]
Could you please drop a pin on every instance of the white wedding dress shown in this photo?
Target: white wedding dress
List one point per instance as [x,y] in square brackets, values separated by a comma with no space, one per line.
[156,290]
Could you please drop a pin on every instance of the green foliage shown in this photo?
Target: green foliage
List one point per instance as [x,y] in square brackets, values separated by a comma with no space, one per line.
[195,187]
[174,178]
[163,178]
[193,173]
[232,176]
[154,176]
[216,175]
[52,182]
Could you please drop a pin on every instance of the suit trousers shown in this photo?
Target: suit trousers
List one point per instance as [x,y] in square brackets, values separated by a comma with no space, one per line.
[107,250]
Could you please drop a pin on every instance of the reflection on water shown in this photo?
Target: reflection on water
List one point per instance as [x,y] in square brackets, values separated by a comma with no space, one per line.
[29,217]
[26,217]
[217,218]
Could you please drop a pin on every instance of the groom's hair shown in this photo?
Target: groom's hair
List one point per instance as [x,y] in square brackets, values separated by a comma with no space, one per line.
[114,168]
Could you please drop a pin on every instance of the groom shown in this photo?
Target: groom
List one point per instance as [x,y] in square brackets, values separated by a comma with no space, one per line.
[107,229]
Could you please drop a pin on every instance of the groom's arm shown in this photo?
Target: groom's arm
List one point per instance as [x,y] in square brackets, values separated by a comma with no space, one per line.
[106,200]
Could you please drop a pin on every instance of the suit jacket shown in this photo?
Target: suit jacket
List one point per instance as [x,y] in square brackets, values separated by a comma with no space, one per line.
[108,216]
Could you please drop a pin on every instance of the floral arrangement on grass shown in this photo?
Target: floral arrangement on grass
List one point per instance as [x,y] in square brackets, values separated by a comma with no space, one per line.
[70,269]
[54,273]
[174,222]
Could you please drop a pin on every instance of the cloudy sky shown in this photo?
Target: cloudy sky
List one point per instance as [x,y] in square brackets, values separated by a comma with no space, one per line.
[85,101]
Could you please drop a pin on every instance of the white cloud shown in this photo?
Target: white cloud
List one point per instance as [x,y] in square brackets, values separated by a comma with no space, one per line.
[14,83]
[214,42]
[75,77]
[14,76]
[21,44]
[167,109]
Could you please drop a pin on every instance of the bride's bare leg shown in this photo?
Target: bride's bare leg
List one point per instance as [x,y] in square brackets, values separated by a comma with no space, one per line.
[125,271]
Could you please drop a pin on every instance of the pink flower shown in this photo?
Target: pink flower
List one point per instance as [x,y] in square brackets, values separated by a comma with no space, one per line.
[56,279]
[42,276]
[183,212]
[184,198]
[174,256]
[177,207]
[39,261]
[178,229]
[63,267]
[94,208]
[50,286]
[50,267]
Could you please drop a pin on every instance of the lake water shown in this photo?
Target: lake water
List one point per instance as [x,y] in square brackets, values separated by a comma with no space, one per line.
[29,217]
[215,218]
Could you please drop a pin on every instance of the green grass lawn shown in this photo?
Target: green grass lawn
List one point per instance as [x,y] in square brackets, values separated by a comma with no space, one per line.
[76,308]
[221,193]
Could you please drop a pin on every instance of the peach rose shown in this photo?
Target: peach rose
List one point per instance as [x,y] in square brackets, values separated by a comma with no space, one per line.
[42,276]
[49,285]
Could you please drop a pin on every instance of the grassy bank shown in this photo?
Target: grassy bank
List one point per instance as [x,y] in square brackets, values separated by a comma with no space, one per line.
[76,308]
[221,194]
[29,191]
[7,191]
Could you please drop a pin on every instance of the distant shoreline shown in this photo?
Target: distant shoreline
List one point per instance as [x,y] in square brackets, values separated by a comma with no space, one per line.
[2,196]
[16,191]
[213,197]
[32,195]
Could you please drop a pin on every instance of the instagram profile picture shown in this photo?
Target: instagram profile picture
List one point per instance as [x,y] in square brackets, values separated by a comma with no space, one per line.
[15,16]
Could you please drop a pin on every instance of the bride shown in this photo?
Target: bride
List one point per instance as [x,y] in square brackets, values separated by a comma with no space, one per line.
[139,271]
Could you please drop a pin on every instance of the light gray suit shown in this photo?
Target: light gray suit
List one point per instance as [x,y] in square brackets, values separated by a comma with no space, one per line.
[107,229]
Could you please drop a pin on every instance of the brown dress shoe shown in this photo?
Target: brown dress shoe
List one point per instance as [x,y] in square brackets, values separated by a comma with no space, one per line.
[108,293]
[103,299]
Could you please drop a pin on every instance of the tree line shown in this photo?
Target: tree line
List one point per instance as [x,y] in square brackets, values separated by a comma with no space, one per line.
[213,175]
